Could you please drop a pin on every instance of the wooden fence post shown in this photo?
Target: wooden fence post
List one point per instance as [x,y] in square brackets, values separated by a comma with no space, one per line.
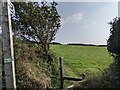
[61,73]
[63,77]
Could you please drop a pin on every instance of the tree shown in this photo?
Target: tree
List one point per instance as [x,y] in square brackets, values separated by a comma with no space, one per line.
[36,23]
[114,39]
[113,44]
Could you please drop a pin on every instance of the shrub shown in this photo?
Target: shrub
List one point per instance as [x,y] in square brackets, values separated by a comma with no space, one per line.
[113,44]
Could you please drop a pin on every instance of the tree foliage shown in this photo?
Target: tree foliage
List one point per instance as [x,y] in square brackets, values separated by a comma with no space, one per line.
[113,46]
[37,23]
[114,39]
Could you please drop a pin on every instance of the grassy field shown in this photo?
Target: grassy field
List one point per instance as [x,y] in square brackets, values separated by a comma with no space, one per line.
[90,60]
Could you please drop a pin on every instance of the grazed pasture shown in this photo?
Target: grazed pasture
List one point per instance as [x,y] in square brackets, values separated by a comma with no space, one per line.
[91,60]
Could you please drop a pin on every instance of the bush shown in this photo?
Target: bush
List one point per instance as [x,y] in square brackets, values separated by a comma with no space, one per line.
[113,44]
[107,79]
[31,71]
[114,38]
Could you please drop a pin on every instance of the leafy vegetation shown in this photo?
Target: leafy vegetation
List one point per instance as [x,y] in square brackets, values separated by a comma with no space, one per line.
[34,27]
[37,23]
[107,79]
[31,71]
[114,39]
[32,37]
[114,46]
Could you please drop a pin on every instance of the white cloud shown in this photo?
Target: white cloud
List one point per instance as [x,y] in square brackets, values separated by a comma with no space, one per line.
[89,25]
[75,18]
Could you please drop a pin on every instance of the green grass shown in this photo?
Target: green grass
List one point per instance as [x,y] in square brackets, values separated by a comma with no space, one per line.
[90,60]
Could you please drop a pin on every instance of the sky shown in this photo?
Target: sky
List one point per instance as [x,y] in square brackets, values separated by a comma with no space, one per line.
[85,22]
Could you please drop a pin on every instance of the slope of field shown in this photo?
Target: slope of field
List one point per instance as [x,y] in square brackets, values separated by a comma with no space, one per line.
[90,60]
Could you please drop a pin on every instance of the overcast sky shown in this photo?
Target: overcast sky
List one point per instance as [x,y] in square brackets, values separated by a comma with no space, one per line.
[85,22]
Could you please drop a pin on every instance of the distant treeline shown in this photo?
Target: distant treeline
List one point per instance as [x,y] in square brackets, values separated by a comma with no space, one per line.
[78,44]
[56,43]
[102,45]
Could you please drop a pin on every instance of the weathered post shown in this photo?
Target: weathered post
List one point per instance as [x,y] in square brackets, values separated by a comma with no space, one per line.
[0,45]
[63,77]
[0,63]
[61,73]
[0,30]
[8,54]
